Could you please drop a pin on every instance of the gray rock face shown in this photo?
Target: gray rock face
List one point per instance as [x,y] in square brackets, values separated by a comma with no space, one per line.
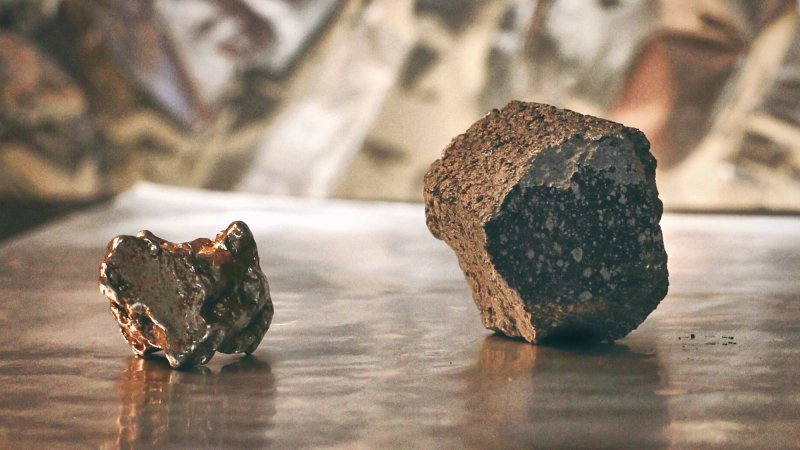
[191,299]
[554,217]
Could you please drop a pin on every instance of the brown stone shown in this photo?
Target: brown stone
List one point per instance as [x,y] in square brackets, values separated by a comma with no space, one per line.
[554,217]
[191,299]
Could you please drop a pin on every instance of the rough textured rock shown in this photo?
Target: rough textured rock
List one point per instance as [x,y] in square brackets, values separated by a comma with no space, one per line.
[554,217]
[191,299]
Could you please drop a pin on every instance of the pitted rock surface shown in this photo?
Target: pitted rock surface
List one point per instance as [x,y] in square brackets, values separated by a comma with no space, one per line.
[554,217]
[191,299]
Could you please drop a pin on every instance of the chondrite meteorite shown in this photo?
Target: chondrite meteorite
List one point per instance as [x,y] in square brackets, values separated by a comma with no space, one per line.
[554,217]
[191,299]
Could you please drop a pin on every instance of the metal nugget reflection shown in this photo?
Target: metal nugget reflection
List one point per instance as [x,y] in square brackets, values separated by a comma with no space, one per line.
[233,407]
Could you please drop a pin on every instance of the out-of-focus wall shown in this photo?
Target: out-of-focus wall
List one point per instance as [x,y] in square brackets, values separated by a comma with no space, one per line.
[97,94]
[354,98]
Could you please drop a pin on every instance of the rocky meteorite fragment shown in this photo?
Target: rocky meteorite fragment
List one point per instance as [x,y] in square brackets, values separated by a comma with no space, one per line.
[554,217]
[191,299]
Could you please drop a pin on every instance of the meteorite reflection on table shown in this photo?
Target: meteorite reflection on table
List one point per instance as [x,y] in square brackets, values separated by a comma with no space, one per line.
[190,299]
[554,217]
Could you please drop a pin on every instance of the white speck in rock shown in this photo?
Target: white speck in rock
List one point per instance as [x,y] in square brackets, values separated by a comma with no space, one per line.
[584,296]
[577,254]
[529,254]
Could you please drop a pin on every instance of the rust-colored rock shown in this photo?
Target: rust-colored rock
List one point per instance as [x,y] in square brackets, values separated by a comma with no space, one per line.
[191,299]
[554,217]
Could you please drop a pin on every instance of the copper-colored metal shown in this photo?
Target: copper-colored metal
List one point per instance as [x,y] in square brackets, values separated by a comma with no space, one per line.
[191,299]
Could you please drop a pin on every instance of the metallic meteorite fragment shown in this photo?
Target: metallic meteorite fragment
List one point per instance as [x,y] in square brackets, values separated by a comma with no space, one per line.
[554,217]
[189,300]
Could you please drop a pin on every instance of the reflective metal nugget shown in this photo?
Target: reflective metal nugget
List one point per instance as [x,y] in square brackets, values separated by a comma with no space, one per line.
[190,299]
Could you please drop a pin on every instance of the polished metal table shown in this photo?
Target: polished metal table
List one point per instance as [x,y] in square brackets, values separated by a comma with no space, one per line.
[376,342]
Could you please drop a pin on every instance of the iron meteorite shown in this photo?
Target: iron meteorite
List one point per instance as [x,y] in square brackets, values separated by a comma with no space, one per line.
[190,299]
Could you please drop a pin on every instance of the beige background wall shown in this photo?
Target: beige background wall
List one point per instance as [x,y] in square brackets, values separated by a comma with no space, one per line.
[354,99]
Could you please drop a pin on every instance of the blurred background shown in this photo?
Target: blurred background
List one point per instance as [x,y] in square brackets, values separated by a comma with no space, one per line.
[355,98]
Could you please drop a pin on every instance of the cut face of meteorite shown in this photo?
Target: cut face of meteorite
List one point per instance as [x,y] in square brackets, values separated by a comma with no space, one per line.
[191,299]
[554,217]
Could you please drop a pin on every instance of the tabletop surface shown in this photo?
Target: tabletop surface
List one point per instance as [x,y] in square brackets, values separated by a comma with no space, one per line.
[376,342]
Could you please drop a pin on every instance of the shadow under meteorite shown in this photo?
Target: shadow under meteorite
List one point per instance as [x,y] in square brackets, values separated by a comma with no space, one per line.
[563,395]
[196,408]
